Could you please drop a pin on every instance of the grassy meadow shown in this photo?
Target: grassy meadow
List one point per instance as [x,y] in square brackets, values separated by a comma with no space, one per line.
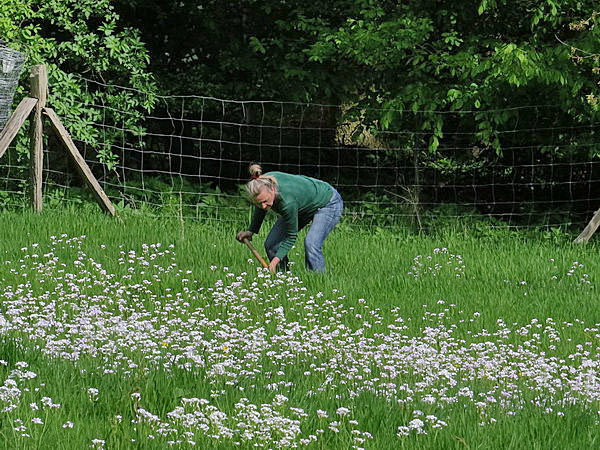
[147,333]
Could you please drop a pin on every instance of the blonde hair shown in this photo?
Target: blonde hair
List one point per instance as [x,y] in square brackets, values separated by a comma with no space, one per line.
[259,181]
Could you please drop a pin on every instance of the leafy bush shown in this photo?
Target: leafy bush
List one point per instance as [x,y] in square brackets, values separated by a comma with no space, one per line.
[75,39]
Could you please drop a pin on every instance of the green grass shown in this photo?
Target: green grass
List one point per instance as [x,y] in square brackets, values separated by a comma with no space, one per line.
[504,314]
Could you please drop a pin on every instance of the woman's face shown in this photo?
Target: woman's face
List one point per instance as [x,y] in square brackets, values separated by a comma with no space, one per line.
[266,198]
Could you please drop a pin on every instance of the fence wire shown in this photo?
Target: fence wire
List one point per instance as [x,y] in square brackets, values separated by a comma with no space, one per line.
[12,62]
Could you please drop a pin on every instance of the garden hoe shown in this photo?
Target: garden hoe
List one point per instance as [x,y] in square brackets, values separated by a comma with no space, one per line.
[255,253]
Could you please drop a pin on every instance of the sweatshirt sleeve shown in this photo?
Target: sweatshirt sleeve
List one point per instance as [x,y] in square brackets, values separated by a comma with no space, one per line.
[257,219]
[290,217]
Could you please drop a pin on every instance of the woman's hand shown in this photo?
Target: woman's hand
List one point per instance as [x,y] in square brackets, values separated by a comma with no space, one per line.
[273,264]
[244,235]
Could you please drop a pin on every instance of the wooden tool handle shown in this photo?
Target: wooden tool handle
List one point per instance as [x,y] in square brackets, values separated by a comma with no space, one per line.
[255,253]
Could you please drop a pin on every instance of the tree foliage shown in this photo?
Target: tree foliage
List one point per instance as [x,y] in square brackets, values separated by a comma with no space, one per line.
[427,55]
[429,66]
[445,56]
[75,39]
[585,51]
[247,49]
[459,76]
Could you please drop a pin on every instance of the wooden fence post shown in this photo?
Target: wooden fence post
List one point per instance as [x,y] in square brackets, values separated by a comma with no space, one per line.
[15,122]
[590,228]
[39,90]
[34,107]
[80,163]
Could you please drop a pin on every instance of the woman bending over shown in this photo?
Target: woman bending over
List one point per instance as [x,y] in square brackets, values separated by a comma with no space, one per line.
[298,200]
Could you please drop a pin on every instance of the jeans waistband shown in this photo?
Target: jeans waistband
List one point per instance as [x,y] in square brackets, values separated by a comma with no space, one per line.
[335,196]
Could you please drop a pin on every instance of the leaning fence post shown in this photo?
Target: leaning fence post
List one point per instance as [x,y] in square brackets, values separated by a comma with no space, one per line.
[39,90]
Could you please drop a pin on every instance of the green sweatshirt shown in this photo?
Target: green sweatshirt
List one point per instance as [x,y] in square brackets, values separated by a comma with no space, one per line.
[297,196]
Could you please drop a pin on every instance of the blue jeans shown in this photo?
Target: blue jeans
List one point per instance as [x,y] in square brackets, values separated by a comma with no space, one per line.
[323,221]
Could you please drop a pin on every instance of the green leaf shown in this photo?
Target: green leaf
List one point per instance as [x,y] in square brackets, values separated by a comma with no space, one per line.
[256,45]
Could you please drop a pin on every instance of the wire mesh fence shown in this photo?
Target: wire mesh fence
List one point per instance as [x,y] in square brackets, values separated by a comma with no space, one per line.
[190,155]
[12,62]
